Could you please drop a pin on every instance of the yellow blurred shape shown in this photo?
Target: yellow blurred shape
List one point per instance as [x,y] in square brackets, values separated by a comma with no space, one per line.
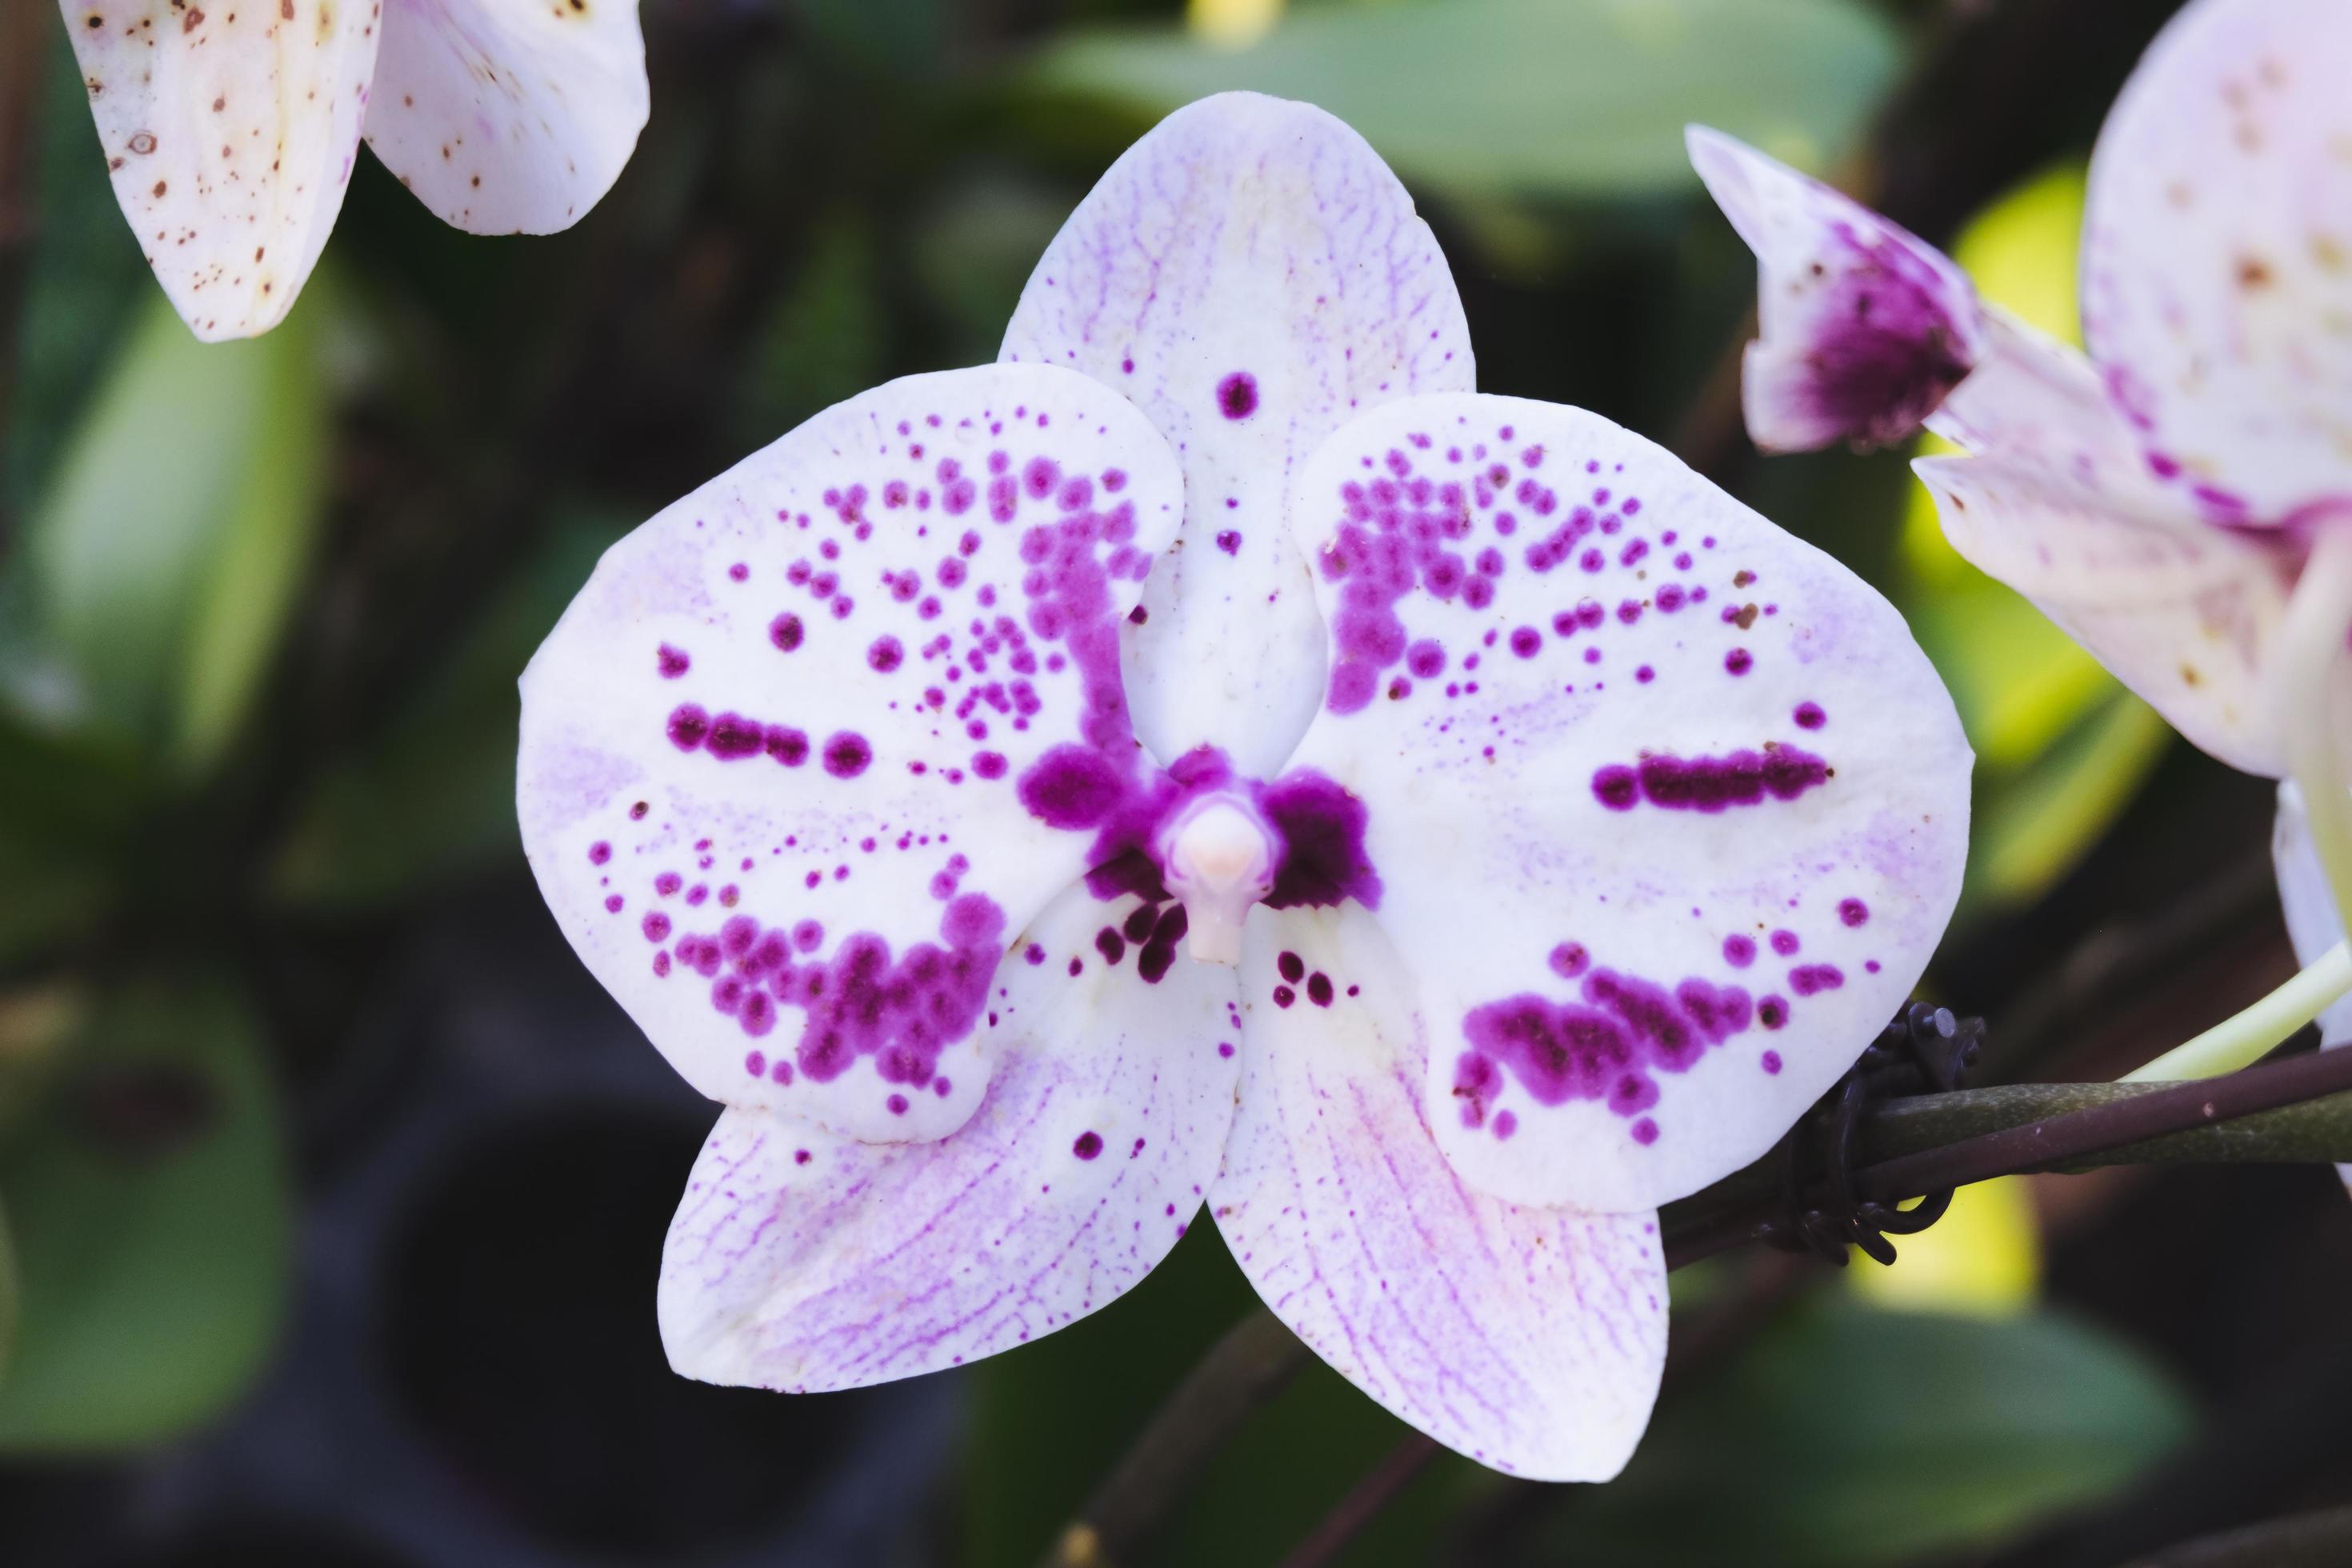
[1232,24]
[2062,746]
[1983,1259]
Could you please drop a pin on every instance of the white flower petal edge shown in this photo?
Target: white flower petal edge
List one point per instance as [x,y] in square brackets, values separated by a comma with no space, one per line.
[1251,275]
[2186,615]
[229,131]
[1531,1340]
[802,1261]
[1863,328]
[508,116]
[2312,924]
[2217,255]
[1668,809]
[775,755]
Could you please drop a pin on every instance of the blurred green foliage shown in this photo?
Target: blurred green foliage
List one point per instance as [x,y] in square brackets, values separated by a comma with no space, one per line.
[150,1217]
[1848,1436]
[1560,99]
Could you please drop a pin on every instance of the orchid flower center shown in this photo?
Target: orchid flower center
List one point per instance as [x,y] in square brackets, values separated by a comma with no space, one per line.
[1220,860]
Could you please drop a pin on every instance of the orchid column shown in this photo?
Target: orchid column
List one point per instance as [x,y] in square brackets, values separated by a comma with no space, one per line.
[1216,755]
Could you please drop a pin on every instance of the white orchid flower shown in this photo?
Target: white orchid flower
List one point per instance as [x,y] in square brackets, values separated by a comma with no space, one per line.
[1215,754]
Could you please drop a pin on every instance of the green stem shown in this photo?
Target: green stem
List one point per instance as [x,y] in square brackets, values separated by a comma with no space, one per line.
[2243,1040]
[2315,663]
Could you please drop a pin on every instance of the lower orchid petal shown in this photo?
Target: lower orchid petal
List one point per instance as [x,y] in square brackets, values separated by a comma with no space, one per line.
[802,1261]
[798,761]
[1531,1340]
[230,133]
[2184,614]
[508,116]
[1864,328]
[1668,810]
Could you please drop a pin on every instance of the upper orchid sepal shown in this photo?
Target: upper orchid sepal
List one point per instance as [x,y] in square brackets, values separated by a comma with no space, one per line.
[1864,329]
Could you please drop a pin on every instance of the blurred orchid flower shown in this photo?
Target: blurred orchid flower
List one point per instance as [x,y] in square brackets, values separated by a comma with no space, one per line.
[1214,754]
[2180,500]
[231,126]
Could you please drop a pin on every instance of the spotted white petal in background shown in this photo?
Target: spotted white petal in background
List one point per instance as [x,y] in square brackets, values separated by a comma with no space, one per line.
[1251,274]
[229,127]
[1864,328]
[1529,1339]
[802,1261]
[1668,809]
[2311,921]
[508,116]
[774,756]
[2035,402]
[2186,615]
[2217,255]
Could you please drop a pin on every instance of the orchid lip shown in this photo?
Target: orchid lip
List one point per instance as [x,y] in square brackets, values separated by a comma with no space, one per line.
[1219,859]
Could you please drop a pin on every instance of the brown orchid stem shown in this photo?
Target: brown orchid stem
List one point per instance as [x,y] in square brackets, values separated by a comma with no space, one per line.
[1250,1365]
[2297,1109]
[1364,1500]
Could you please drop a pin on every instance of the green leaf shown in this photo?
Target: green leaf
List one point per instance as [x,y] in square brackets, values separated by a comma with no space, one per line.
[164,559]
[151,1222]
[87,281]
[1550,98]
[824,340]
[432,798]
[1849,1436]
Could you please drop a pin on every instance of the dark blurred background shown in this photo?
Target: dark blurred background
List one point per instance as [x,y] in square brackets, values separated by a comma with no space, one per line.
[333,1189]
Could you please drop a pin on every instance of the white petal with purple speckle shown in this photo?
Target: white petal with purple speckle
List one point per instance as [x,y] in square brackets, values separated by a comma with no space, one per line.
[769,780]
[2217,256]
[2184,614]
[1668,810]
[1251,275]
[802,1261]
[1864,328]
[1530,1339]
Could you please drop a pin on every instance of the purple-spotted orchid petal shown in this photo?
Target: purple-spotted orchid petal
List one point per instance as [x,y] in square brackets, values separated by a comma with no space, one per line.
[1864,330]
[1251,275]
[508,116]
[2186,615]
[802,1261]
[2217,256]
[230,130]
[1530,1339]
[773,756]
[960,1114]
[1711,797]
